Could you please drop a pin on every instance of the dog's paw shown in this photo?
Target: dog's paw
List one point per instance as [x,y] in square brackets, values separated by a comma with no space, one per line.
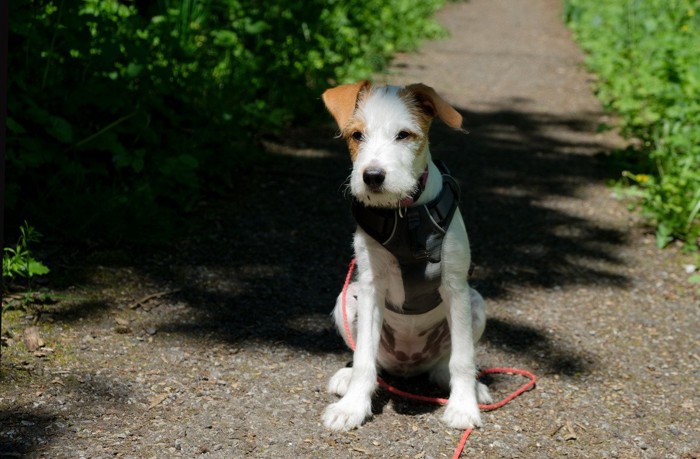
[346,414]
[340,381]
[460,415]
[482,394]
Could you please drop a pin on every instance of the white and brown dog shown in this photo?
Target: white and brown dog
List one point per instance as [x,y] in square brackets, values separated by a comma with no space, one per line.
[410,307]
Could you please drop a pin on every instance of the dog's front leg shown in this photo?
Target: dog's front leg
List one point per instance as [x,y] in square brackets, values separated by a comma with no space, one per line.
[356,405]
[462,410]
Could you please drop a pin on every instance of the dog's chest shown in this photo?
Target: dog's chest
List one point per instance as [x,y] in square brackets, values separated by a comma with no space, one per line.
[420,281]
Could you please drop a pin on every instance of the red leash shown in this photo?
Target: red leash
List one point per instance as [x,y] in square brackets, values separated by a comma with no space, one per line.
[441,401]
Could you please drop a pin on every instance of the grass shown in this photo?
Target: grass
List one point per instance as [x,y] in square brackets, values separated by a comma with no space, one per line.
[646,54]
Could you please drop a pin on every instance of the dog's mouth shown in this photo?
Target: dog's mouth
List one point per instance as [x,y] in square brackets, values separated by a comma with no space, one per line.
[384,198]
[378,198]
[376,190]
[408,201]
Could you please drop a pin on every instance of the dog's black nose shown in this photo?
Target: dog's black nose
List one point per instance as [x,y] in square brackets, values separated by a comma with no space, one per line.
[374,177]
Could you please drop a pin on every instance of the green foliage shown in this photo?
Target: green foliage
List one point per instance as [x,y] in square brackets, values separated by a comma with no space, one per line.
[19,261]
[647,55]
[120,108]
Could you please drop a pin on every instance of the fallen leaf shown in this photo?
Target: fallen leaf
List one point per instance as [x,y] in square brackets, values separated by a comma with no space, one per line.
[360,450]
[157,400]
[32,339]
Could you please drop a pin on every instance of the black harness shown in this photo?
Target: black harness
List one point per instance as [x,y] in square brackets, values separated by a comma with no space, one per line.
[414,236]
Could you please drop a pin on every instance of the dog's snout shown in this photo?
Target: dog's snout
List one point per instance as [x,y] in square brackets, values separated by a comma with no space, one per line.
[374,177]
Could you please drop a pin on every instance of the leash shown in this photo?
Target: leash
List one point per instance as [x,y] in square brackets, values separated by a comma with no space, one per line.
[440,401]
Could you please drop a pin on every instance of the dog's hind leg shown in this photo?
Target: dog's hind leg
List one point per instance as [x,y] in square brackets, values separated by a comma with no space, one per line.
[351,294]
[440,375]
[338,384]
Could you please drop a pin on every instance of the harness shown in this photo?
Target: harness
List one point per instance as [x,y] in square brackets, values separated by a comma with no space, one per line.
[414,236]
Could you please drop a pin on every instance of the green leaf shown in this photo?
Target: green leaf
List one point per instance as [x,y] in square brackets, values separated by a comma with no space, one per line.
[37,268]
[650,24]
[13,126]
[663,235]
[256,27]
[226,38]
[133,70]
[137,164]
[60,129]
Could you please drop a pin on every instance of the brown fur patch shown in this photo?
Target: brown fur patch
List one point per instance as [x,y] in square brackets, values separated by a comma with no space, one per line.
[432,102]
[353,125]
[420,113]
[429,98]
[436,343]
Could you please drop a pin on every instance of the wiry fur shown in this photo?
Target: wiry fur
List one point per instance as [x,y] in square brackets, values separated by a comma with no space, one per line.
[387,129]
[380,117]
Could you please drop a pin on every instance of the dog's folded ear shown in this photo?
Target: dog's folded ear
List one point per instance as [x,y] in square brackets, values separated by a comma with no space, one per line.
[341,101]
[436,105]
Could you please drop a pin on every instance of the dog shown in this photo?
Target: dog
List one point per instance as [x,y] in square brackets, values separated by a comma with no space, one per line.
[410,307]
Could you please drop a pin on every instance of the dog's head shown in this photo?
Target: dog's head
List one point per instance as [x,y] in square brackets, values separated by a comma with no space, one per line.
[386,129]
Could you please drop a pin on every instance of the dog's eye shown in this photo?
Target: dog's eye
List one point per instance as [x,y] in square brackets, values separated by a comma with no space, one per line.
[357,135]
[403,135]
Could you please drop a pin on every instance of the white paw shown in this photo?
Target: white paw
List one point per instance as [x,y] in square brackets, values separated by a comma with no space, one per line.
[482,394]
[346,414]
[340,381]
[460,415]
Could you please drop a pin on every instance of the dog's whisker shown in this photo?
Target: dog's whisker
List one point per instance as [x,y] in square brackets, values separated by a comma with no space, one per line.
[345,187]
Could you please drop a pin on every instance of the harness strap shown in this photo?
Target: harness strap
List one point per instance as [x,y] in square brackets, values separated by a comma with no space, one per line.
[414,236]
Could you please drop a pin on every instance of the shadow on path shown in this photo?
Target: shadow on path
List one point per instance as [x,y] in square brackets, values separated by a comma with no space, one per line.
[521,173]
[267,264]
[31,430]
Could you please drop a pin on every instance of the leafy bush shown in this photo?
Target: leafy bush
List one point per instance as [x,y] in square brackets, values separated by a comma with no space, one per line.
[647,55]
[119,109]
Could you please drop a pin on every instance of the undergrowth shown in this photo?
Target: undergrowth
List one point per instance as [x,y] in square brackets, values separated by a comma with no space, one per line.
[19,269]
[122,114]
[19,261]
[646,54]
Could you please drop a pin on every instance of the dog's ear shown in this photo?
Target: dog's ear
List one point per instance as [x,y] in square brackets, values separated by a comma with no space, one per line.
[342,100]
[436,105]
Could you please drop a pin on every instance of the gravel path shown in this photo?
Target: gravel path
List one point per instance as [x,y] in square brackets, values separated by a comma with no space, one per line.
[231,359]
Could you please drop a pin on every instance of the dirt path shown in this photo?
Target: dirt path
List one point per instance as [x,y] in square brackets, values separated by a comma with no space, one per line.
[233,358]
